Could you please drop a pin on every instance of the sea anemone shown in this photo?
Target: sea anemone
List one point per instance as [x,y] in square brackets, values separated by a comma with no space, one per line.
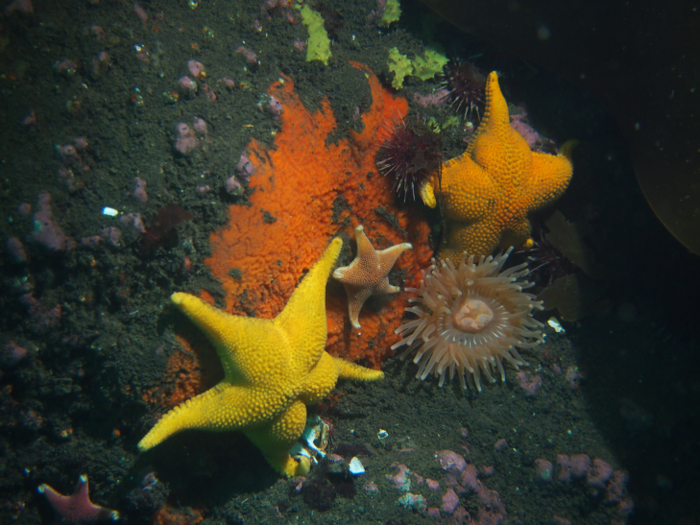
[470,319]
[466,87]
[411,153]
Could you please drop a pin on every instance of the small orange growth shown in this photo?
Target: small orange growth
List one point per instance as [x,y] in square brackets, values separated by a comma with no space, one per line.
[184,377]
[307,190]
[170,516]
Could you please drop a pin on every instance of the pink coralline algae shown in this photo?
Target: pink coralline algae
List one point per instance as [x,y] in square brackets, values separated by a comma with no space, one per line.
[20,6]
[488,471]
[66,67]
[101,64]
[233,187]
[451,461]
[46,232]
[376,14]
[600,474]
[401,480]
[45,318]
[519,124]
[245,168]
[187,86]
[275,108]
[68,154]
[185,140]
[195,68]
[140,190]
[284,7]
[371,487]
[500,445]
[530,385]
[434,99]
[134,220]
[543,471]
[96,31]
[248,55]
[30,119]
[141,13]
[16,250]
[617,487]
[77,508]
[560,521]
[491,509]
[468,480]
[574,377]
[12,354]
[450,501]
[200,127]
[92,241]
[209,93]
[573,467]
[299,45]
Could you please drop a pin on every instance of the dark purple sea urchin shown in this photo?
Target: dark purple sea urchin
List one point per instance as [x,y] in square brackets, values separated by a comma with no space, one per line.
[411,153]
[465,86]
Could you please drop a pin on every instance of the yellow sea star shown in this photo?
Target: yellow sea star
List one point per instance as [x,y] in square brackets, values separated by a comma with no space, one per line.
[488,191]
[367,273]
[273,368]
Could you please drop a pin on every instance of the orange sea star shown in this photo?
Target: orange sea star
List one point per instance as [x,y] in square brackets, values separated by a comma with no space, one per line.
[367,274]
[488,191]
[306,188]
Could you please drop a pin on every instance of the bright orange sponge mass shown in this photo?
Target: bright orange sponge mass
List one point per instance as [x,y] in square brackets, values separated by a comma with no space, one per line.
[307,188]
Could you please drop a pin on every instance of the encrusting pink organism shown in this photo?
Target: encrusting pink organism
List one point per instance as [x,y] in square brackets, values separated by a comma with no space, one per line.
[16,250]
[185,140]
[77,508]
[196,69]
[46,231]
[249,55]
[187,86]
[140,190]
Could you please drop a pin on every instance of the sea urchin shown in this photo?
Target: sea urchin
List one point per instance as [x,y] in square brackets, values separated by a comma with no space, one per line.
[465,86]
[412,154]
[471,318]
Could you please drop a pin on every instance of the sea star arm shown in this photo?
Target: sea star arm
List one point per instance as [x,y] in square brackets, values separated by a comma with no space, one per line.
[238,340]
[385,287]
[365,265]
[551,176]
[357,296]
[224,407]
[275,439]
[388,256]
[468,194]
[304,318]
[481,237]
[348,370]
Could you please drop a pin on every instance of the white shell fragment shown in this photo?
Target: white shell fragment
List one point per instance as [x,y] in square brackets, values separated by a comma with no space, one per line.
[110,212]
[554,323]
[355,467]
[382,434]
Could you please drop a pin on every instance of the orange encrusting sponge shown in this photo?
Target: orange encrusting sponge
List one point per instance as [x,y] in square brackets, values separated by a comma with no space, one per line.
[307,189]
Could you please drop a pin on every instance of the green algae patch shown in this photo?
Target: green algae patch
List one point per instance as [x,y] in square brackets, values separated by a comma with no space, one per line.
[400,66]
[427,66]
[392,13]
[318,46]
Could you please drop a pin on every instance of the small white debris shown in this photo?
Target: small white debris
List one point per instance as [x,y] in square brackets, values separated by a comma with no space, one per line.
[382,434]
[111,212]
[552,321]
[355,467]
